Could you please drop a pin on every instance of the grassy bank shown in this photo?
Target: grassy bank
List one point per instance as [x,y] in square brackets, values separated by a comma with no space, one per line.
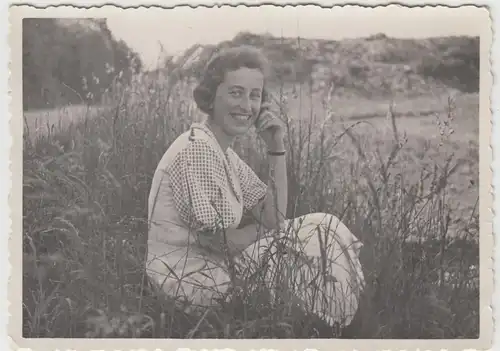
[412,200]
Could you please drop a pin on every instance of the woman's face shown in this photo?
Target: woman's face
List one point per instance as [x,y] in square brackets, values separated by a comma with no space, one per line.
[237,101]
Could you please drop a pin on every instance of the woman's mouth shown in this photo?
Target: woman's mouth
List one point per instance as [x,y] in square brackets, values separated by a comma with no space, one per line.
[240,117]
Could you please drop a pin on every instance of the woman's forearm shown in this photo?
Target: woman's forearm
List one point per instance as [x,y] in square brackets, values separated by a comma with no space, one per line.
[275,202]
[234,241]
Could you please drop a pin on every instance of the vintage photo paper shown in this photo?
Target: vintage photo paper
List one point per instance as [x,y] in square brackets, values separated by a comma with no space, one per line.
[251,177]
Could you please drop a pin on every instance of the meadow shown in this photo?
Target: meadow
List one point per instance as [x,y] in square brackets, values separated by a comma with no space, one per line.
[402,173]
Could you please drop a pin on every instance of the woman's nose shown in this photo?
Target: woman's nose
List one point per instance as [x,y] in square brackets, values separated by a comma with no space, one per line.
[245,104]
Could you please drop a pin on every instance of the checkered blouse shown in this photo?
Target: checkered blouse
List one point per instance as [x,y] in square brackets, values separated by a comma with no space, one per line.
[205,180]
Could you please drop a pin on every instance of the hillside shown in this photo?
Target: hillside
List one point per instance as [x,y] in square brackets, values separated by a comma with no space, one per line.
[76,60]
[373,67]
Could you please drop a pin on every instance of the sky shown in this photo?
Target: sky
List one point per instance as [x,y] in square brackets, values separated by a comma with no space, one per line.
[147,31]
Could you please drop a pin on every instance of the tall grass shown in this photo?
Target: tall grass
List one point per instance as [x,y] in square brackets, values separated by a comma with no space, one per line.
[85,189]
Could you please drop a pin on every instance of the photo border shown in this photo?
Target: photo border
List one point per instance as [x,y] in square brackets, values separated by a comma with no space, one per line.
[483,25]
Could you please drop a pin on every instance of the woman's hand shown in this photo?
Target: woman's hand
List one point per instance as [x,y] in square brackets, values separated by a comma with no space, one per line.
[271,129]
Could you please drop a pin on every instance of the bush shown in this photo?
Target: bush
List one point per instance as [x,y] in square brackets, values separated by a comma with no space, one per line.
[456,66]
[70,61]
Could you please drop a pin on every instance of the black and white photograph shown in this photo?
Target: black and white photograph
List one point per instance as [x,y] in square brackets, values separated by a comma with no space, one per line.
[252,172]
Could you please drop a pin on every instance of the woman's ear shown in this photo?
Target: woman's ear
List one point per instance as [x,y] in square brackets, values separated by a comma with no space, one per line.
[203,98]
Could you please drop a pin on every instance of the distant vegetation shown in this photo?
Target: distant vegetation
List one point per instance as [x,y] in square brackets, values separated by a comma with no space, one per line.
[72,61]
[377,66]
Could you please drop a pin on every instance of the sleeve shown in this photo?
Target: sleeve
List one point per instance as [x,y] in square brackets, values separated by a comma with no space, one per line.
[253,189]
[197,177]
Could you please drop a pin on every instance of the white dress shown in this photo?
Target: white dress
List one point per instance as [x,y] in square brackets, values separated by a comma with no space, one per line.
[198,187]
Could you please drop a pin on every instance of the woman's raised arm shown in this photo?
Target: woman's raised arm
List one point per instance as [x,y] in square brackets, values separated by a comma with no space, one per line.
[272,211]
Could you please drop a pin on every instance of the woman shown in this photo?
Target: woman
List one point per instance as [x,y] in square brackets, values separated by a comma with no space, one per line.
[201,189]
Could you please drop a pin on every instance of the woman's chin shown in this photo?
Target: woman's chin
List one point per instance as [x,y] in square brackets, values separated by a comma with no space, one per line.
[240,129]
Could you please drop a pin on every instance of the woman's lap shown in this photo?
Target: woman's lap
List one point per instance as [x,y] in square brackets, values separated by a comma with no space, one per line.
[202,280]
[195,268]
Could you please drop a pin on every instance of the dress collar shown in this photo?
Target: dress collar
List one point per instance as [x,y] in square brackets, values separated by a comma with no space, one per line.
[227,160]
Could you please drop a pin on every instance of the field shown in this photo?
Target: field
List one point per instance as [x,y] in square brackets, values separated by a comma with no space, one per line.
[86,184]
[390,146]
[44,122]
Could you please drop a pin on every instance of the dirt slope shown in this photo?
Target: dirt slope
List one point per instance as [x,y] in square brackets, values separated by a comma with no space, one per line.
[373,67]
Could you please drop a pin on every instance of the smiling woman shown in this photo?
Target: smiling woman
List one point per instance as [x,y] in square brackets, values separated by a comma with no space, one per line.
[232,92]
[202,189]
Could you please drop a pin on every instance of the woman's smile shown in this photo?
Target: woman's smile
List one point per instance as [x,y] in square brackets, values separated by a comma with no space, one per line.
[240,117]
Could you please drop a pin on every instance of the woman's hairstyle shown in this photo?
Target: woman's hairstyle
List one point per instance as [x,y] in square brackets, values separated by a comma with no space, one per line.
[225,61]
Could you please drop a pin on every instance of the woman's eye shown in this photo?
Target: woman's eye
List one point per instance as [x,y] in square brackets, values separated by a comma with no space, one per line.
[235,93]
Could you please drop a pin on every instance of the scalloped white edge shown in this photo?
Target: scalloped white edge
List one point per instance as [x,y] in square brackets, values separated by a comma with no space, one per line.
[10,152]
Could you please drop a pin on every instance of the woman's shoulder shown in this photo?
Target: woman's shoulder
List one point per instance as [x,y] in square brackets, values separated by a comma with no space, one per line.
[193,146]
[189,141]
[187,147]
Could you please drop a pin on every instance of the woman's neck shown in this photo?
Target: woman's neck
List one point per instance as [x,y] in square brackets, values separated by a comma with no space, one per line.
[223,139]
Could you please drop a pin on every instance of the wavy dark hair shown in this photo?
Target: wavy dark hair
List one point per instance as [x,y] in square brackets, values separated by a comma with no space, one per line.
[228,60]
